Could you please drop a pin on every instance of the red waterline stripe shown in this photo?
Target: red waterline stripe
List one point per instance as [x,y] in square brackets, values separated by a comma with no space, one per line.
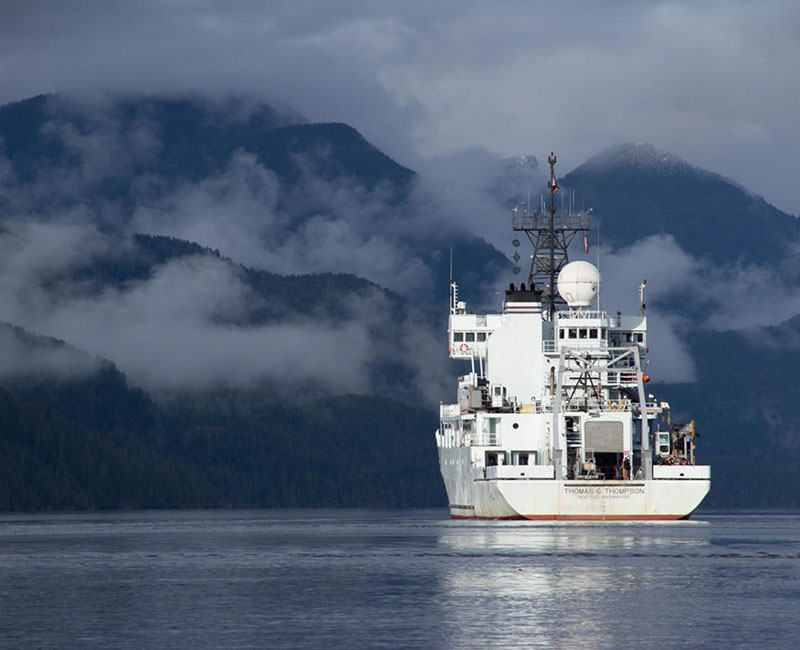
[578,517]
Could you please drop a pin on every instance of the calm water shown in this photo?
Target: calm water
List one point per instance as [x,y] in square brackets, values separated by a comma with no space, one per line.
[395,579]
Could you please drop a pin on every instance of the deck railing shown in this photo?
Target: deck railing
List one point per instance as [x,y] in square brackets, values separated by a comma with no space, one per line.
[583,314]
[449,410]
[553,346]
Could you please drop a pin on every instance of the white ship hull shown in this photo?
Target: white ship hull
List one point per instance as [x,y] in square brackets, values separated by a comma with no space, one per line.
[513,493]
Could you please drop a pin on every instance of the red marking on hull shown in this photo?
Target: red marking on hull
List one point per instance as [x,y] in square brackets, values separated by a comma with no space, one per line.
[605,517]
[576,517]
[511,518]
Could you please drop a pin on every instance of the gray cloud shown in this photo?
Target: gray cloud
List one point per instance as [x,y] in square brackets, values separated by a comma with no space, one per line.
[346,229]
[716,82]
[187,325]
[685,293]
[721,297]
[470,190]
[173,329]
[667,269]
[21,359]
[305,226]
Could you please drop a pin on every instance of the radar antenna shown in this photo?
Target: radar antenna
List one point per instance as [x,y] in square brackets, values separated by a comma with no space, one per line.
[550,236]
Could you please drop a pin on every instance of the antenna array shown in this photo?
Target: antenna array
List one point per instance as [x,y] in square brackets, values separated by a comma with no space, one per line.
[550,236]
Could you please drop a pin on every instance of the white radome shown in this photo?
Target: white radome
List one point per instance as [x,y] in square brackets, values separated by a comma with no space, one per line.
[578,283]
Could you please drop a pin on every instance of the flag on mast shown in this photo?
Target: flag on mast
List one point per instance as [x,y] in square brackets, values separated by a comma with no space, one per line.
[585,243]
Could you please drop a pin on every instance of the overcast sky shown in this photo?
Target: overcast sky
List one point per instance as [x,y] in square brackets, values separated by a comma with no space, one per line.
[715,82]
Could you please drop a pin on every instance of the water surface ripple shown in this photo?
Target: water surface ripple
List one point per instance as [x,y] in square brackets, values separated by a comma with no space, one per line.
[395,579]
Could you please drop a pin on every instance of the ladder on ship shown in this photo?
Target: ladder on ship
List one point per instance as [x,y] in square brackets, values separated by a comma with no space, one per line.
[573,439]
[573,448]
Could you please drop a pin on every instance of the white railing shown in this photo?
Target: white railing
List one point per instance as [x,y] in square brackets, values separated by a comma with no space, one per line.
[484,439]
[449,410]
[584,344]
[622,405]
[621,378]
[524,219]
[583,314]
[552,347]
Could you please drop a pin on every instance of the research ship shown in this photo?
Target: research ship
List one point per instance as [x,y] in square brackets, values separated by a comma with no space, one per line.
[553,420]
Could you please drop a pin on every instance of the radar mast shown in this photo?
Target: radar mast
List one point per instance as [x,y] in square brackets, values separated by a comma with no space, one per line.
[550,236]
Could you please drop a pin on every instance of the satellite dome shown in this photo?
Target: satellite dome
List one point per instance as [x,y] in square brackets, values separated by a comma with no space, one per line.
[578,283]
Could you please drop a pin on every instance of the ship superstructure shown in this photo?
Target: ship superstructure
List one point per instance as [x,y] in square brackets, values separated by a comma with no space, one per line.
[553,420]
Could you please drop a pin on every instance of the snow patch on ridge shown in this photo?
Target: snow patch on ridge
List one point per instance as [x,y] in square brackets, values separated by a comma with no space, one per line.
[640,156]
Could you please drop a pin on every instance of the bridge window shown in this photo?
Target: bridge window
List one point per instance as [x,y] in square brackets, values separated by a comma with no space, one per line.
[481,336]
[469,337]
[523,458]
[458,337]
[592,333]
[561,333]
[582,333]
[573,333]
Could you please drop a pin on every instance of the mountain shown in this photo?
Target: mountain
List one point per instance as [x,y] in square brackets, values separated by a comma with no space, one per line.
[78,436]
[224,172]
[272,293]
[250,307]
[194,137]
[89,440]
[121,145]
[639,191]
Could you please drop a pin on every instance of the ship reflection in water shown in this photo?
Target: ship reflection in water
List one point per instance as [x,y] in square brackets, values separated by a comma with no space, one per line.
[577,586]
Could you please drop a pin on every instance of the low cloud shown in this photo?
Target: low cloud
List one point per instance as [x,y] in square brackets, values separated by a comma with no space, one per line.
[686,293]
[473,190]
[177,328]
[23,356]
[112,177]
[245,213]
[667,269]
[186,324]
[189,324]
